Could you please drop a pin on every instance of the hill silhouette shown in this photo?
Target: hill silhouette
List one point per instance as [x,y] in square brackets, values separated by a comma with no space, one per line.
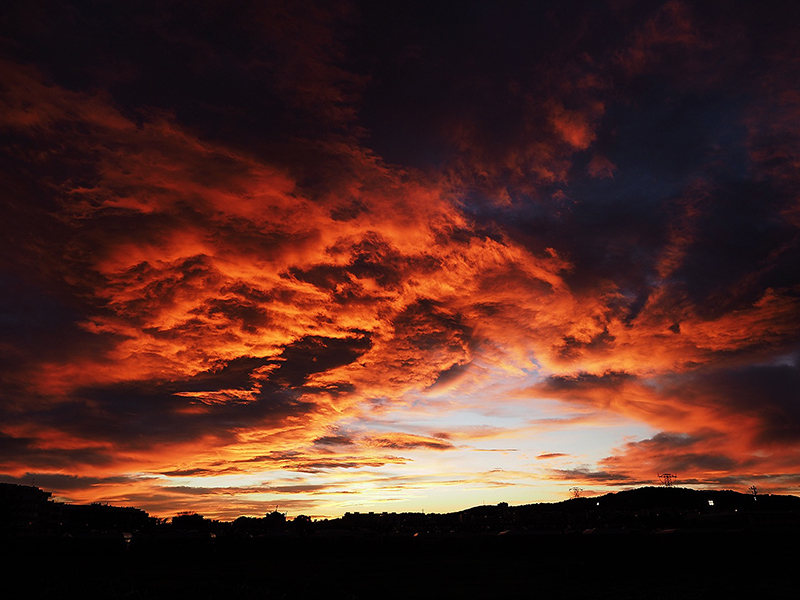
[660,543]
[27,510]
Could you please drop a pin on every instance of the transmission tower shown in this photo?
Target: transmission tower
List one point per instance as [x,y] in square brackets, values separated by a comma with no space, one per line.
[575,492]
[667,479]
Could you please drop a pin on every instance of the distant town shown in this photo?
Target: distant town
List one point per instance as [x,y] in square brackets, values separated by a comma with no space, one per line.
[28,511]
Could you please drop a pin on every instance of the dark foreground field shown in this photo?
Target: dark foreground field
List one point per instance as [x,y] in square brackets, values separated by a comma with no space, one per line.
[665,565]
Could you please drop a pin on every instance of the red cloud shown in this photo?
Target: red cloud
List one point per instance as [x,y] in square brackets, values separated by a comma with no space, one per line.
[188,303]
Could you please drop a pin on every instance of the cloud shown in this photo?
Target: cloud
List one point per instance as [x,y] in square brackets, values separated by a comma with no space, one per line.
[270,248]
[406,441]
[592,476]
[314,354]
[763,393]
[35,452]
[550,455]
[65,483]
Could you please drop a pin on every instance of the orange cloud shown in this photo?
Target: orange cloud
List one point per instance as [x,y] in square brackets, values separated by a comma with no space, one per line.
[187,304]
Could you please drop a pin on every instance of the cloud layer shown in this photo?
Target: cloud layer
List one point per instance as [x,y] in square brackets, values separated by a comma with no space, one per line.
[319,252]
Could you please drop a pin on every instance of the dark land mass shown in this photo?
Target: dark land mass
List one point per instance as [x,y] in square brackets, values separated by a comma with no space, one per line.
[643,543]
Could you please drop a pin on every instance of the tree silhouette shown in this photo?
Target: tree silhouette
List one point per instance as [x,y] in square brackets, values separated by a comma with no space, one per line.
[189,520]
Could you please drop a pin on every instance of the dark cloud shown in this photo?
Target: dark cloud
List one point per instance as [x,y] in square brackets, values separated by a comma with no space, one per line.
[767,393]
[707,457]
[234,374]
[321,466]
[677,452]
[316,354]
[404,441]
[303,462]
[449,375]
[561,384]
[598,476]
[135,414]
[30,452]
[138,414]
[334,440]
[198,472]
[39,324]
[323,276]
[232,81]
[440,74]
[549,455]
[66,483]
[427,324]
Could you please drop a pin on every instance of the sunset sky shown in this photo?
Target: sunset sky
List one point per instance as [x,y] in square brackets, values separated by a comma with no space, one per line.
[397,256]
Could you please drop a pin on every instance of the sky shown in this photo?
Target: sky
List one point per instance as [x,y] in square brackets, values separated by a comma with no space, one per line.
[397,256]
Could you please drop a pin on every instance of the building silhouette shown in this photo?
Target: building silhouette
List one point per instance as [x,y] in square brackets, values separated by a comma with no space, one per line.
[27,509]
